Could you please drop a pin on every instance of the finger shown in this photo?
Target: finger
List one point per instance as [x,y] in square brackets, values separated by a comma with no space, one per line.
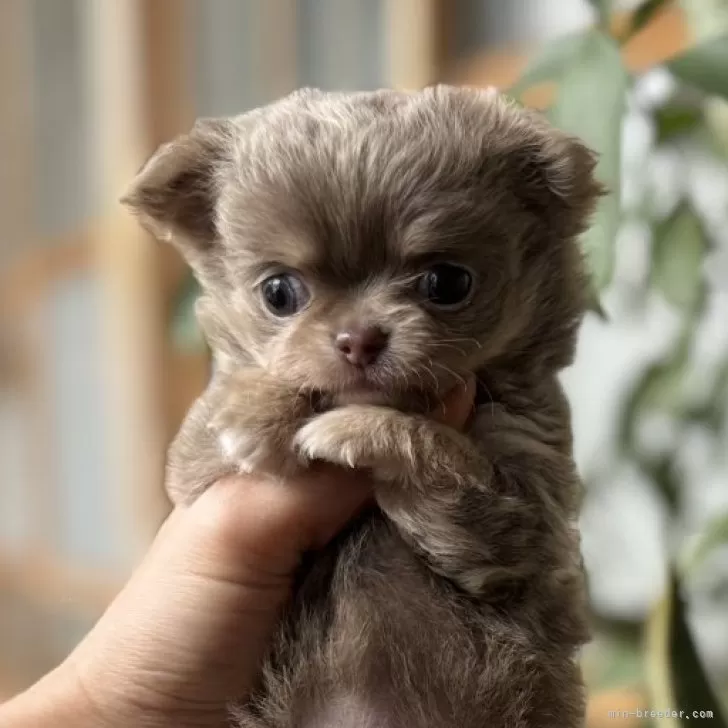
[331,497]
[269,521]
[457,406]
[190,628]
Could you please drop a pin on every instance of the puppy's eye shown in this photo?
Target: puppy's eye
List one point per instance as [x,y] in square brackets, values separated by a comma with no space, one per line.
[284,294]
[445,285]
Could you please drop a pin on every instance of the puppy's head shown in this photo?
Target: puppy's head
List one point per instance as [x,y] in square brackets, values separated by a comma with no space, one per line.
[371,244]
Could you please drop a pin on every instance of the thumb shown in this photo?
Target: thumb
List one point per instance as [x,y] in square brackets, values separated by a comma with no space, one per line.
[188,631]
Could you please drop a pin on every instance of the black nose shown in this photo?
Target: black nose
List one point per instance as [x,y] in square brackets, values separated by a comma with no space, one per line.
[361,345]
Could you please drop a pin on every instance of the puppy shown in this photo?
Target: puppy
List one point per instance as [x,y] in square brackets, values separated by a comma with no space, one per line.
[359,254]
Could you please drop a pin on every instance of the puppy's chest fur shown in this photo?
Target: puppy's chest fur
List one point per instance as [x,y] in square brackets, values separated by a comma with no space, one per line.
[375,640]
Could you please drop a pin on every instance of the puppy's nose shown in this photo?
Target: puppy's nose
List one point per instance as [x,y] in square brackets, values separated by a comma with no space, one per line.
[361,346]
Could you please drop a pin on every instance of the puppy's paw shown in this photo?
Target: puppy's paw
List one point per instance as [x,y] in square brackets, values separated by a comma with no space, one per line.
[356,436]
[328,437]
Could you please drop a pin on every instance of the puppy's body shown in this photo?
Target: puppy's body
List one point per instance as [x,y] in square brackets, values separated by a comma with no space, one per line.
[359,254]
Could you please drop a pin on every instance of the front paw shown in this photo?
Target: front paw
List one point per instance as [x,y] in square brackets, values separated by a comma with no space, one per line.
[358,436]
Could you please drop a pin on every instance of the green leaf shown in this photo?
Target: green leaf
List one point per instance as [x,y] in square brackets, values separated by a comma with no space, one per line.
[657,666]
[643,13]
[603,8]
[185,332]
[690,684]
[710,412]
[716,534]
[622,666]
[673,122]
[550,62]
[704,66]
[666,477]
[590,104]
[595,306]
[678,252]
[660,388]
[676,676]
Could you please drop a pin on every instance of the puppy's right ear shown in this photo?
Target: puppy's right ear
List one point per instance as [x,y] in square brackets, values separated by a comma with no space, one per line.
[175,192]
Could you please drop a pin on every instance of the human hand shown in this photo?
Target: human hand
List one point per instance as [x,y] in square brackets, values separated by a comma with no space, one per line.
[188,632]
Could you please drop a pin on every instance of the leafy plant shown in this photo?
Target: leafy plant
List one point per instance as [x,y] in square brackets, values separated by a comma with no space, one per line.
[186,334]
[593,87]
[677,678]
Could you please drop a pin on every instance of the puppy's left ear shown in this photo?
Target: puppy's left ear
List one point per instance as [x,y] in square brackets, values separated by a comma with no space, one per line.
[558,180]
[175,192]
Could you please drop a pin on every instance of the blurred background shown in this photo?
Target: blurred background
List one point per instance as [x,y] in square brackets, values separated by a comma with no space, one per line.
[100,358]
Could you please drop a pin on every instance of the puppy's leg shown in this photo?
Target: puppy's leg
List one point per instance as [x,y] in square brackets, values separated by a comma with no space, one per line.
[244,421]
[484,517]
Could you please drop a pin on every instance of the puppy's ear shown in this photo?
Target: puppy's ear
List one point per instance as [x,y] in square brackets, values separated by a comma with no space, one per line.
[557,180]
[175,192]
[549,171]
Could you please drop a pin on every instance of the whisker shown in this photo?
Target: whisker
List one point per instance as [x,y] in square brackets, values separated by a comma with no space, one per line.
[417,373]
[462,339]
[460,350]
[452,372]
[405,369]
[490,395]
[430,371]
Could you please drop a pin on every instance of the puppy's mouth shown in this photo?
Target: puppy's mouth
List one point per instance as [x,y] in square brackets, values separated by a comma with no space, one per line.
[408,398]
[366,394]
[374,387]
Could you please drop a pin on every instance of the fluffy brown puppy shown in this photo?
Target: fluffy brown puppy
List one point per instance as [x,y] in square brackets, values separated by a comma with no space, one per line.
[359,253]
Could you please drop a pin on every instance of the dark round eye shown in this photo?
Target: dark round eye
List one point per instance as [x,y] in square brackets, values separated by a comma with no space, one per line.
[445,284]
[284,294]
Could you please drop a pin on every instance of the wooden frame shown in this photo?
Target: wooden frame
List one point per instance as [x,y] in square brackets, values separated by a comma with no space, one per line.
[16,114]
[139,98]
[280,43]
[417,33]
